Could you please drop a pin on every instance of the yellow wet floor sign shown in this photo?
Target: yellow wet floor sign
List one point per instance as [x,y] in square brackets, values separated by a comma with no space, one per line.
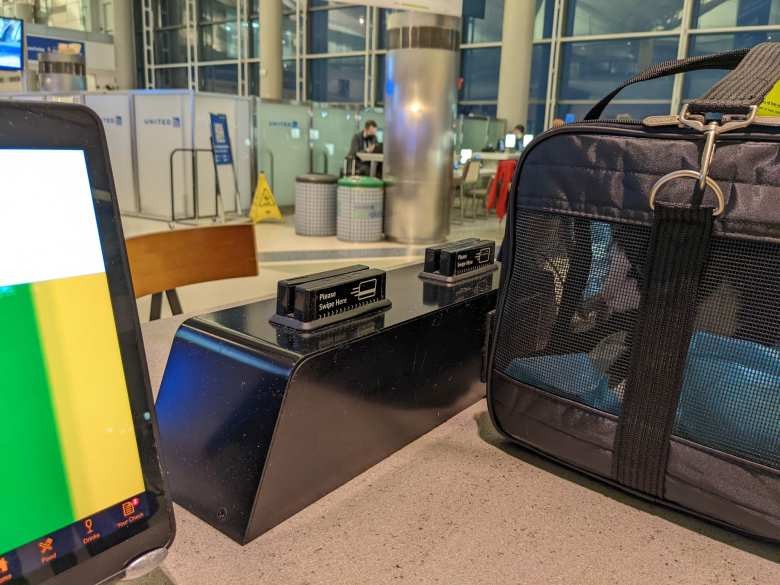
[264,207]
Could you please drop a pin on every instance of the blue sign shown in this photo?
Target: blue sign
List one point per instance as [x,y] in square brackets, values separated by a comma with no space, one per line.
[220,140]
[38,45]
[113,120]
[11,34]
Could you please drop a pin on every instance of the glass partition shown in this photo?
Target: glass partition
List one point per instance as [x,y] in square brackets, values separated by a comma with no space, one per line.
[333,128]
[282,140]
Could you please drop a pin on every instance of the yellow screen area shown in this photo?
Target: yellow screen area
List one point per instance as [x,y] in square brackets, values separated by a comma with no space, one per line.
[66,429]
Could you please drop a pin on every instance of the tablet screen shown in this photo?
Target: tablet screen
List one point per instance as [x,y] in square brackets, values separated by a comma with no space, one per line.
[72,483]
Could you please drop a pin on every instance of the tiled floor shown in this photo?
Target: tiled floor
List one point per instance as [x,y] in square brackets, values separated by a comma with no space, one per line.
[282,254]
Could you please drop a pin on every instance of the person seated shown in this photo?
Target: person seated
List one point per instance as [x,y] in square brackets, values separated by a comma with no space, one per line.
[363,141]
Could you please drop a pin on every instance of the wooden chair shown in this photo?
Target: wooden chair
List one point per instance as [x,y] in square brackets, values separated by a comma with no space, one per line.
[161,262]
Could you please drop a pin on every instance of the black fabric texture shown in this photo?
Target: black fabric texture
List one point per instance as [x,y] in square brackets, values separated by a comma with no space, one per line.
[746,85]
[558,426]
[608,177]
[678,251]
[576,260]
[719,488]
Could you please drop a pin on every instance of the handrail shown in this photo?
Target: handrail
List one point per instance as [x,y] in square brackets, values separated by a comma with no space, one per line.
[194,182]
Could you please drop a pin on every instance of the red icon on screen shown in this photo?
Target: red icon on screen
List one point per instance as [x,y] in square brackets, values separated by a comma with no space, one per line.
[46,546]
[3,565]
[128,509]
[89,525]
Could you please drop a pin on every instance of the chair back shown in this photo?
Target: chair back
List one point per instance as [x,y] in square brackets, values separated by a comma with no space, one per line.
[166,260]
[471,174]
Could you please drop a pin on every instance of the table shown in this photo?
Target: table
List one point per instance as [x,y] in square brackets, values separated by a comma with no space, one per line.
[374,158]
[461,506]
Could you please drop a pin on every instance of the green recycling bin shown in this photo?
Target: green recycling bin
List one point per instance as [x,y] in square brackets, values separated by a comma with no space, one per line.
[360,213]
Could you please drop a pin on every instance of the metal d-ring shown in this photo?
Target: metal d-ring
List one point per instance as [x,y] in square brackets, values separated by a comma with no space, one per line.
[688,174]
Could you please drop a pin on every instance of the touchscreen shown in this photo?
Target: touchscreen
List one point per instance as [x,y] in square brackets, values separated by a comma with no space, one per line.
[72,483]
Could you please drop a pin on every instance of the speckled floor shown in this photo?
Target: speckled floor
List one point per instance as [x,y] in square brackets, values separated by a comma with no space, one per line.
[461,506]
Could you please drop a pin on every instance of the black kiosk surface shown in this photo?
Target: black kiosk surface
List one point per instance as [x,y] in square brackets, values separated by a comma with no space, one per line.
[82,497]
[258,419]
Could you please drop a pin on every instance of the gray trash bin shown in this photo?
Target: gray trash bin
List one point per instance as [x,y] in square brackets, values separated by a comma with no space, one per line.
[361,203]
[315,205]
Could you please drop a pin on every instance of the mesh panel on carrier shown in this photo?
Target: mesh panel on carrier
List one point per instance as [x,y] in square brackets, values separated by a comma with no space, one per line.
[567,328]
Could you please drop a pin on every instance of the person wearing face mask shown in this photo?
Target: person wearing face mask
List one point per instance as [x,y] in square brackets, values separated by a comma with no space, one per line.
[363,141]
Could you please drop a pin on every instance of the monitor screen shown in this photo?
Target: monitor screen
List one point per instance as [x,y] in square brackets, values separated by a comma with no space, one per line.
[527,139]
[11,42]
[510,140]
[67,435]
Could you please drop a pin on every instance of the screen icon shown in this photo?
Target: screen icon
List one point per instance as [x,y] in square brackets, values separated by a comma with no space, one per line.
[3,566]
[128,509]
[365,290]
[89,525]
[46,546]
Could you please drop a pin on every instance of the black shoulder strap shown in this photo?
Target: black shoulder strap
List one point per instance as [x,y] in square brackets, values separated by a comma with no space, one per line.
[679,247]
[755,71]
[727,60]
[746,86]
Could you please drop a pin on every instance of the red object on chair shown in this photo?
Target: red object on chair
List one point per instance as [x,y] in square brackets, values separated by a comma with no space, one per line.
[498,192]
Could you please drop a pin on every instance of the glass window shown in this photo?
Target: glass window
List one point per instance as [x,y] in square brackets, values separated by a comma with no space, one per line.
[482,110]
[479,69]
[216,10]
[218,78]
[288,37]
[720,13]
[170,46]
[483,21]
[540,64]
[591,69]
[544,18]
[171,78]
[382,24]
[632,111]
[171,12]
[288,79]
[336,79]
[379,90]
[534,124]
[336,30]
[253,79]
[253,38]
[217,41]
[698,82]
[289,41]
[598,17]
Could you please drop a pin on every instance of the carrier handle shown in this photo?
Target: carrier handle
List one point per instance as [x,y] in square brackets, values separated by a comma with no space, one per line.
[751,79]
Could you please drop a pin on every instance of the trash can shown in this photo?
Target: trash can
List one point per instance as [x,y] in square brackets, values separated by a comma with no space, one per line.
[361,209]
[315,205]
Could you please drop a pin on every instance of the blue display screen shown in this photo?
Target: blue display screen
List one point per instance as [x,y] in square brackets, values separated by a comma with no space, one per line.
[11,41]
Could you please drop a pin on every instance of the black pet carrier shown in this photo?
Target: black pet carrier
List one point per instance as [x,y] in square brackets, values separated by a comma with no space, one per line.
[637,335]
